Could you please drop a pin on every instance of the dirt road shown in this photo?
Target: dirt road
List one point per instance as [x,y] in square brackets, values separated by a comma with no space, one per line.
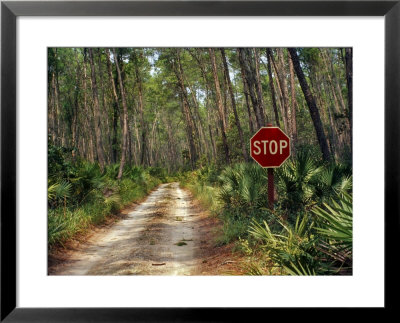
[160,236]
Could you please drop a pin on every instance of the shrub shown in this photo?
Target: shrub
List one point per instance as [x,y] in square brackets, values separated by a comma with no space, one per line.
[80,195]
[312,246]
[244,186]
[305,181]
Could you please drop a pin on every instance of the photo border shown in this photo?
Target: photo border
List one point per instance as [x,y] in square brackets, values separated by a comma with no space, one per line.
[10,10]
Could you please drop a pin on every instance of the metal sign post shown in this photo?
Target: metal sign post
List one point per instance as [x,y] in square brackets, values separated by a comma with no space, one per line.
[271,188]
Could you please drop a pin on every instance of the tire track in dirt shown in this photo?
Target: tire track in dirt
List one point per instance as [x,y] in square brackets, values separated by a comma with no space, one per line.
[159,237]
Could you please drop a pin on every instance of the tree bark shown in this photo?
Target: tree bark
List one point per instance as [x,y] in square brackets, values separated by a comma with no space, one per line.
[96,110]
[259,87]
[116,109]
[279,90]
[281,73]
[293,106]
[124,120]
[246,95]
[311,105]
[88,114]
[233,101]
[219,104]
[208,86]
[141,108]
[75,116]
[349,78]
[272,89]
[190,127]
[250,76]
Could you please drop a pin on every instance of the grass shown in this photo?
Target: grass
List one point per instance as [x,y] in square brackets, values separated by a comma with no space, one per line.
[207,195]
[232,230]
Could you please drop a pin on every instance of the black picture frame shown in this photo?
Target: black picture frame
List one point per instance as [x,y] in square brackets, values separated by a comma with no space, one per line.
[10,10]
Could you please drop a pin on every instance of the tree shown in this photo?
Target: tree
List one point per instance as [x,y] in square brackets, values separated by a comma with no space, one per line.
[190,127]
[115,114]
[233,101]
[314,112]
[349,78]
[184,108]
[97,115]
[219,104]
[272,89]
[124,119]
[250,75]
[139,83]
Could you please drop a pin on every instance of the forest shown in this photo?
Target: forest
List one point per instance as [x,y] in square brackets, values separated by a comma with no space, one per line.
[121,121]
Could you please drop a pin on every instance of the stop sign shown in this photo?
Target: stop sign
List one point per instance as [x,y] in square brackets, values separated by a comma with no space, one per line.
[270,147]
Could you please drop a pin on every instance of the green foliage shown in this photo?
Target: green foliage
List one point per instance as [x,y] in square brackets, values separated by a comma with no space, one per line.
[59,161]
[305,181]
[291,239]
[80,195]
[87,181]
[244,186]
[158,172]
[333,180]
[295,181]
[318,245]
[335,225]
[58,192]
[234,227]
[208,175]
[292,249]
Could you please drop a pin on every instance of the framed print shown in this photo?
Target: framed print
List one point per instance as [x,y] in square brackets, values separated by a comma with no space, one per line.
[183,57]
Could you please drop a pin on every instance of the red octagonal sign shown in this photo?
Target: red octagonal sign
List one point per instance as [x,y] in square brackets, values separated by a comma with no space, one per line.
[270,147]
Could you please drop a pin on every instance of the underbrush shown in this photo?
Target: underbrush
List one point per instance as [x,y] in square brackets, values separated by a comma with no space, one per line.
[80,195]
[202,185]
[66,222]
[309,232]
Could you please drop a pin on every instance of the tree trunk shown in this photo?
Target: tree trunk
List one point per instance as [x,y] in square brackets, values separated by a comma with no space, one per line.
[219,104]
[279,90]
[190,127]
[311,105]
[198,126]
[349,78]
[54,114]
[237,121]
[259,87]
[75,116]
[272,89]
[199,59]
[281,73]
[124,120]
[88,114]
[246,95]
[96,110]
[141,109]
[249,72]
[293,106]
[103,112]
[116,109]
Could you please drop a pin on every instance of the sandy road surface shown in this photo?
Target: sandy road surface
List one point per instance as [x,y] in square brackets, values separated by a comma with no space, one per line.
[159,237]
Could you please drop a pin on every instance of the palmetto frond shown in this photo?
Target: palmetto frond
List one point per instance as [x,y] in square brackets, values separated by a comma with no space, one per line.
[293,249]
[336,222]
[244,185]
[59,190]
